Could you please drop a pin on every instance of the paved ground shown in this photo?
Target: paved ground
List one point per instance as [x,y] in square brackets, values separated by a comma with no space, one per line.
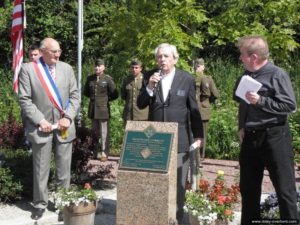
[19,214]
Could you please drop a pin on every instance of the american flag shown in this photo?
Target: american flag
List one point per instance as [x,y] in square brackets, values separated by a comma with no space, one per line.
[17,41]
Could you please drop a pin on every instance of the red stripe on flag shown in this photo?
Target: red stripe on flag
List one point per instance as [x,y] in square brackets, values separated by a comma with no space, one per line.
[17,41]
[18,2]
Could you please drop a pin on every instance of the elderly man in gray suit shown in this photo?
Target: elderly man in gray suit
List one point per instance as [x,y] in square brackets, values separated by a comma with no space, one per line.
[171,97]
[49,98]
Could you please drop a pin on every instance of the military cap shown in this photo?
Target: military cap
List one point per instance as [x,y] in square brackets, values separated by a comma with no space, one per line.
[136,62]
[199,61]
[99,62]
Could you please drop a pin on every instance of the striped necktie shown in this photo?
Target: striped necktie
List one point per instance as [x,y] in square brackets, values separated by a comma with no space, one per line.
[52,72]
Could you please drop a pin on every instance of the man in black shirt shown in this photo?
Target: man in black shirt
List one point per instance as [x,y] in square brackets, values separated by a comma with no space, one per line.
[264,133]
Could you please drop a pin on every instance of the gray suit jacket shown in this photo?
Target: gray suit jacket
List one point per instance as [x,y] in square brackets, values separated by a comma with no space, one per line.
[36,104]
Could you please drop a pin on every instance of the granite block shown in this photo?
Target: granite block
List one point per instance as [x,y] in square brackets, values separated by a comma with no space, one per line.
[148,198]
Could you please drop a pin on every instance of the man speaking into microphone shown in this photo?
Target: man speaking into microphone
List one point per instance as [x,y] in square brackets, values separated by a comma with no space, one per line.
[170,95]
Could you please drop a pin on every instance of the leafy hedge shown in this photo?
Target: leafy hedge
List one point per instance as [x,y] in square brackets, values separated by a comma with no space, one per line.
[9,188]
[17,175]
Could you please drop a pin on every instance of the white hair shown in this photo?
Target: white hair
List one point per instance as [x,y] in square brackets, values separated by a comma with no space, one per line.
[169,46]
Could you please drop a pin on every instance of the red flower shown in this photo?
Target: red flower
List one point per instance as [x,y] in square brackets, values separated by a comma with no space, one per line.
[228,200]
[204,186]
[228,212]
[218,188]
[221,199]
[220,196]
[87,186]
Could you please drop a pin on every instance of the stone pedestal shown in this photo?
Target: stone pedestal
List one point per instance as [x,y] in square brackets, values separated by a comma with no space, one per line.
[148,197]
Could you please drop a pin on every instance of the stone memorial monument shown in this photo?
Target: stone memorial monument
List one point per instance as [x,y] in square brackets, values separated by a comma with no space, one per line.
[146,177]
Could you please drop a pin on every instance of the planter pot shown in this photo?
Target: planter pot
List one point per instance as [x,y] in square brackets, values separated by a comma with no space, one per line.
[83,214]
[193,220]
[221,222]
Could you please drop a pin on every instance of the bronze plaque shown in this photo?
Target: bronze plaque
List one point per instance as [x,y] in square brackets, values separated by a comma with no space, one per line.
[146,150]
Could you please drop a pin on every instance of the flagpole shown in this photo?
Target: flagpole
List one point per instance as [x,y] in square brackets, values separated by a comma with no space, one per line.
[24,15]
[80,47]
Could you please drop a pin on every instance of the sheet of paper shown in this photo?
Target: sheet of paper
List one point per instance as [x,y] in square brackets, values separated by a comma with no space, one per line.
[54,126]
[246,84]
[193,146]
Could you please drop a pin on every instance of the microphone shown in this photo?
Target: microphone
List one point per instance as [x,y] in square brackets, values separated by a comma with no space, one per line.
[160,75]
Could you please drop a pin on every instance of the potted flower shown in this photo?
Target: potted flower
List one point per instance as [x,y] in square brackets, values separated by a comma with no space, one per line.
[77,203]
[212,204]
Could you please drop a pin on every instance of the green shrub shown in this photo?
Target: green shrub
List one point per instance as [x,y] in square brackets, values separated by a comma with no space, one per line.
[225,74]
[10,190]
[19,163]
[8,99]
[294,122]
[222,140]
[116,127]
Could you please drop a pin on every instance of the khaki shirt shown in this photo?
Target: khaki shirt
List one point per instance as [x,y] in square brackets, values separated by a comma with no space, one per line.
[130,90]
[206,93]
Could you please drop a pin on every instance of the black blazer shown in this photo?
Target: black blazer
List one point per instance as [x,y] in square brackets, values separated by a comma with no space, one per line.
[180,105]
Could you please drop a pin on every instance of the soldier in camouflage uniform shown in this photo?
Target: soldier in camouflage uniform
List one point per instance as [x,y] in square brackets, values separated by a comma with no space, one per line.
[101,89]
[206,93]
[130,90]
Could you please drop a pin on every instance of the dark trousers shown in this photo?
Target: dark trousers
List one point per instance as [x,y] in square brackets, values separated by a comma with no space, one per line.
[182,172]
[205,132]
[269,148]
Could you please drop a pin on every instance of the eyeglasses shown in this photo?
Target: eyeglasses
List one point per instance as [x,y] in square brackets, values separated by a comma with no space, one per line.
[55,51]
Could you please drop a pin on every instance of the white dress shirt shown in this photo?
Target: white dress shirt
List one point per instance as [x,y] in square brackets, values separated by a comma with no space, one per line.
[166,83]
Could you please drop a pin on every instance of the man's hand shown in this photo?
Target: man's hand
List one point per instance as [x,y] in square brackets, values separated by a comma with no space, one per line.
[153,80]
[198,143]
[252,97]
[64,123]
[45,126]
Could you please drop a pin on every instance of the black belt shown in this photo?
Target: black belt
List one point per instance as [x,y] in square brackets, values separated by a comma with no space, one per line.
[264,127]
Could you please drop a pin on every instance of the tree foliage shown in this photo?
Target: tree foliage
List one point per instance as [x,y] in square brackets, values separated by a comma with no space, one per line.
[53,19]
[119,30]
[277,20]
[139,26]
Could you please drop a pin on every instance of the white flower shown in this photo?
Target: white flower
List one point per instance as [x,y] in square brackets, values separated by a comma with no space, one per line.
[74,195]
